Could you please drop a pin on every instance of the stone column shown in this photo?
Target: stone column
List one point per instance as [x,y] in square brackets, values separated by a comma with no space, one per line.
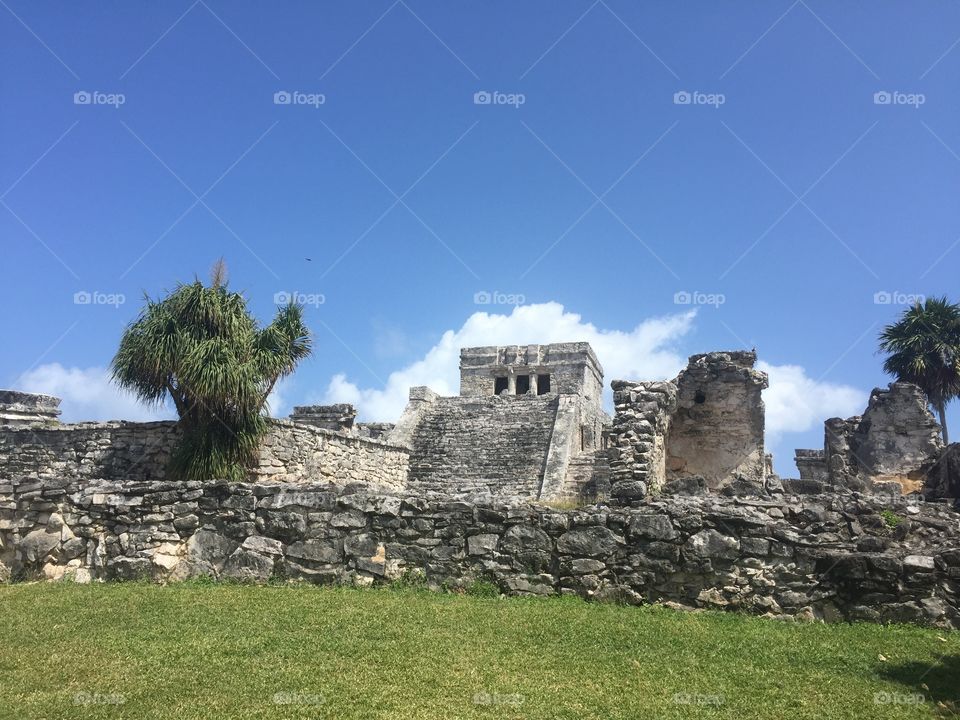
[512,384]
[533,383]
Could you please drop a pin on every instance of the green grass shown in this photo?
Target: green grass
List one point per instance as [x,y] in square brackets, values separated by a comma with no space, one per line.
[890,518]
[225,651]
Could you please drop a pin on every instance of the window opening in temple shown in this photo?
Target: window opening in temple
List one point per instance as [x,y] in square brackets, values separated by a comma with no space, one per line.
[523,384]
[499,385]
[543,384]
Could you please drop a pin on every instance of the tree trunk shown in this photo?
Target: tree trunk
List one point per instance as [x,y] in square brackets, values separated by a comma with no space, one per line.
[942,412]
[944,461]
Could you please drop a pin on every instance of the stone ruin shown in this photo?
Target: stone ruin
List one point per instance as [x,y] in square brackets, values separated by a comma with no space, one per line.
[895,444]
[707,424]
[22,409]
[529,423]
[522,480]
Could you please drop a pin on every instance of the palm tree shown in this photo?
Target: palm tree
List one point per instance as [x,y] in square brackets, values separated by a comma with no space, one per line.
[201,347]
[923,347]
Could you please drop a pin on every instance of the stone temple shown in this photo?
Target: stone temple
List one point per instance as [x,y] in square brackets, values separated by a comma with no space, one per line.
[523,480]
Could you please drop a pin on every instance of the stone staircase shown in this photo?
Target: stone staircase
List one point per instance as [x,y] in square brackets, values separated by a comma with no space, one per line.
[588,478]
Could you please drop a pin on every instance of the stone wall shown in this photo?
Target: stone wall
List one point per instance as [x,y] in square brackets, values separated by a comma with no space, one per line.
[831,557]
[637,437]
[140,451]
[303,453]
[717,430]
[111,450]
[492,444]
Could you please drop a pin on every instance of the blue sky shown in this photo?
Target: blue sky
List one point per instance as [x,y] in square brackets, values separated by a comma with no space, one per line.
[785,188]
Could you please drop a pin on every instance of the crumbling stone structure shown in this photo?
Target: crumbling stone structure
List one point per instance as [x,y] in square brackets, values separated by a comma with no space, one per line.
[706,424]
[330,417]
[895,443]
[637,437]
[717,430]
[20,409]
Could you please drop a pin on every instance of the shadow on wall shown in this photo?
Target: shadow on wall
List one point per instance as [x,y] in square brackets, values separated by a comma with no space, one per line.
[937,684]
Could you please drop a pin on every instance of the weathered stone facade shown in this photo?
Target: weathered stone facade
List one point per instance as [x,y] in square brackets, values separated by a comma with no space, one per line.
[563,368]
[717,430]
[493,444]
[896,441]
[812,465]
[338,417]
[706,424]
[637,437]
[527,422]
[814,557]
[19,409]
[141,451]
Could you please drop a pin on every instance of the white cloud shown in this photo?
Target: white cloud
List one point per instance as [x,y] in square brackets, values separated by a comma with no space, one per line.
[88,394]
[278,404]
[646,352]
[797,403]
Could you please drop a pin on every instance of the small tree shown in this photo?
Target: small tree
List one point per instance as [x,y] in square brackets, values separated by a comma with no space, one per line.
[202,348]
[923,347]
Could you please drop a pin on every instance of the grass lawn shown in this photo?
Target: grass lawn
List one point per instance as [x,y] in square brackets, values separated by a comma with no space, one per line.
[231,651]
